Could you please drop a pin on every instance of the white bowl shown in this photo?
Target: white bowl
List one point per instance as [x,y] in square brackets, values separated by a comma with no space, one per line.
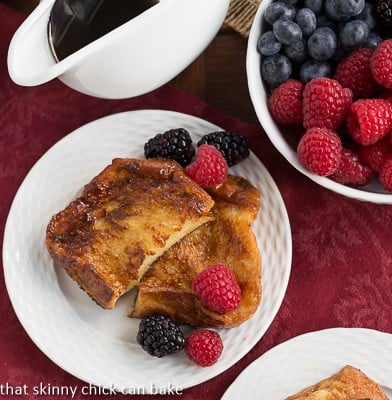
[133,59]
[372,192]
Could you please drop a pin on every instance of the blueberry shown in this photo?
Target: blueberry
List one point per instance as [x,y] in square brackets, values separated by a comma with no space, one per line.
[314,69]
[287,31]
[368,15]
[296,52]
[322,44]
[278,10]
[290,1]
[373,40]
[384,15]
[342,10]
[306,20]
[315,5]
[354,34]
[268,45]
[276,69]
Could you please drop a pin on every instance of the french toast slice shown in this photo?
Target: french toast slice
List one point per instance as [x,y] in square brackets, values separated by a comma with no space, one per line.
[125,218]
[166,288]
[348,384]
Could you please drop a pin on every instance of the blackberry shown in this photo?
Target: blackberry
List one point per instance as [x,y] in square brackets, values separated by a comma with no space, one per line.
[160,336]
[384,12]
[232,145]
[175,144]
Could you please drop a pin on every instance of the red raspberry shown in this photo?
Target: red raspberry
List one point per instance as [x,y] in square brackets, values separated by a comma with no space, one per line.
[354,72]
[375,154]
[285,103]
[351,171]
[369,120]
[381,63]
[386,174]
[203,347]
[325,103]
[210,167]
[217,288]
[320,150]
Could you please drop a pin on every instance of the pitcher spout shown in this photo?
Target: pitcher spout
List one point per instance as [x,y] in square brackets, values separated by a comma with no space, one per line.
[130,59]
[30,60]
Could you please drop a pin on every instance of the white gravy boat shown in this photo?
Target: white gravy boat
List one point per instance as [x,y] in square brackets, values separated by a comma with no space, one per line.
[135,58]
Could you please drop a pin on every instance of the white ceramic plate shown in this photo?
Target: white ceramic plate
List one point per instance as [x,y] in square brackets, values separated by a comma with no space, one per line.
[96,345]
[305,360]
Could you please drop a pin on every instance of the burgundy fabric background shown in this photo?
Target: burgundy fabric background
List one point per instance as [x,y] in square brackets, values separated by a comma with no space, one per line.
[342,249]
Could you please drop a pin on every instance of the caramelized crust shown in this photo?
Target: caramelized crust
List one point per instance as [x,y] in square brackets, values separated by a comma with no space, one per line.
[167,287]
[126,217]
[348,384]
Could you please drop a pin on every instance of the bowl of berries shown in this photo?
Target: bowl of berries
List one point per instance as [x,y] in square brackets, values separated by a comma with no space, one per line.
[320,80]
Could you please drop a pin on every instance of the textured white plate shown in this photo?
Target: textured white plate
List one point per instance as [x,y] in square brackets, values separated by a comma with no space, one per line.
[304,360]
[96,345]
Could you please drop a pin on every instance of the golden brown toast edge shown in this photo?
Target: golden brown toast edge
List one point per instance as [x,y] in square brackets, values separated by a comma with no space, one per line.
[349,383]
[104,287]
[175,297]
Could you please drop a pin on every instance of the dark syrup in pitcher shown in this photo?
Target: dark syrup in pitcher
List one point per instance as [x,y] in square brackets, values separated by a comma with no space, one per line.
[75,23]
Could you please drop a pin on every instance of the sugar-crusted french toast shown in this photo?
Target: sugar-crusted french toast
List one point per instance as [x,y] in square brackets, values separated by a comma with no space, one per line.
[125,218]
[166,288]
[348,384]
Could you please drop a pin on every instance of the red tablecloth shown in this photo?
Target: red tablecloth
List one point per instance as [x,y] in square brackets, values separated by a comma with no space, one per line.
[342,249]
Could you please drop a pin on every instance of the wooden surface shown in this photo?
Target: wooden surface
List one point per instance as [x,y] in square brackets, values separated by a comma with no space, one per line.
[217,76]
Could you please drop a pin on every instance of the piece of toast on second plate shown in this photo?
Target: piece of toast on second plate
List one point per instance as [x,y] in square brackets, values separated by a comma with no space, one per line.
[349,383]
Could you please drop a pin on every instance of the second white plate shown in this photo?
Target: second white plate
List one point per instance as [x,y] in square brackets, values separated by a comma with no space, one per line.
[96,345]
[306,359]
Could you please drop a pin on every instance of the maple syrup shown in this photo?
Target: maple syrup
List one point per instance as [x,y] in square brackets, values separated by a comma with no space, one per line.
[75,23]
